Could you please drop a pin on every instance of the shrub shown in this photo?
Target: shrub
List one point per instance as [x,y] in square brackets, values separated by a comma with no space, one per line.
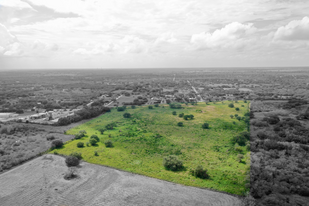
[80,144]
[102,130]
[231,116]
[108,143]
[50,137]
[71,161]
[110,126]
[174,113]
[120,109]
[231,105]
[93,141]
[181,115]
[240,157]
[77,155]
[96,153]
[70,174]
[150,107]
[156,105]
[237,109]
[172,162]
[87,143]
[82,132]
[180,124]
[205,126]
[126,115]
[57,143]
[236,115]
[95,137]
[78,136]
[238,118]
[200,172]
[133,107]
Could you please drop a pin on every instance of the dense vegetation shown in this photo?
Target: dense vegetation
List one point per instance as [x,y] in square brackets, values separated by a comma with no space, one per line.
[280,153]
[150,142]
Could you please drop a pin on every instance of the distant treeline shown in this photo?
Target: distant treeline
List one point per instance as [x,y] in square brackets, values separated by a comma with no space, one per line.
[85,113]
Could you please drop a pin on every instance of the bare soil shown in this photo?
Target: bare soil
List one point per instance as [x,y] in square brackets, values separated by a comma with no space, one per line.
[40,182]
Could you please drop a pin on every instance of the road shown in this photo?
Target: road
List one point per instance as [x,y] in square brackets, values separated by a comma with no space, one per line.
[197,94]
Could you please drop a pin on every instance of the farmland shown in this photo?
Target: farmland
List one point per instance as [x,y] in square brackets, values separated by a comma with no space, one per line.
[142,141]
[40,182]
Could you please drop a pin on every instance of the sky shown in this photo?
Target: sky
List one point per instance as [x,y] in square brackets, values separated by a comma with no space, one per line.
[37,34]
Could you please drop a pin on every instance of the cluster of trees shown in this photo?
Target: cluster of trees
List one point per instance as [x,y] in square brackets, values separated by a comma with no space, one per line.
[85,113]
[287,183]
[175,106]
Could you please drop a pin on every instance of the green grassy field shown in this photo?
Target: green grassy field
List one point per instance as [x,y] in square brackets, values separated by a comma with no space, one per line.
[137,150]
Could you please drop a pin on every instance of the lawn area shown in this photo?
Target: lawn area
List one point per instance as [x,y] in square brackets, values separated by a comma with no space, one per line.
[138,148]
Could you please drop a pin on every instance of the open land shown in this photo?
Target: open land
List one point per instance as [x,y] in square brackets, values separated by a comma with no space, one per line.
[142,141]
[40,182]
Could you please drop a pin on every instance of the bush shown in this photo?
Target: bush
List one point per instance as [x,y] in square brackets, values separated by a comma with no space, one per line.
[172,162]
[95,137]
[174,113]
[78,136]
[80,144]
[93,141]
[50,137]
[150,107]
[180,124]
[126,115]
[200,172]
[231,105]
[96,153]
[70,174]
[71,161]
[205,126]
[240,157]
[133,107]
[231,116]
[108,143]
[120,109]
[77,155]
[87,143]
[57,143]
[237,109]
[102,130]
[156,105]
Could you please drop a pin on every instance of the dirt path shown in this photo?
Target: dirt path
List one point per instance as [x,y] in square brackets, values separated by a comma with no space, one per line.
[40,182]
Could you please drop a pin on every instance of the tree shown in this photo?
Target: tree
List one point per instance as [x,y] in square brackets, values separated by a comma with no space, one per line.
[93,141]
[174,112]
[238,118]
[172,162]
[150,107]
[200,172]
[57,143]
[205,125]
[102,130]
[231,105]
[181,115]
[133,107]
[80,144]
[108,143]
[71,161]
[110,126]
[156,105]
[120,109]
[180,124]
[95,137]
[237,109]
[126,115]
[231,116]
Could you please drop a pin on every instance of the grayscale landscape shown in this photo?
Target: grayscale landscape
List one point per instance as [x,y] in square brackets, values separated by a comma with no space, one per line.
[154,102]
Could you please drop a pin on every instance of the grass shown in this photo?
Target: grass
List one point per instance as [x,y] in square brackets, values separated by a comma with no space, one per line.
[136,149]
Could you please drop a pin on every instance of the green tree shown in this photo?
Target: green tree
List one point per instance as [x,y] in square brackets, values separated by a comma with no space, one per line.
[231,116]
[174,113]
[150,107]
[180,124]
[95,137]
[231,105]
[133,107]
[205,125]
[127,115]
[200,172]
[108,143]
[102,130]
[93,141]
[237,109]
[172,162]
[156,105]
[240,157]
[80,144]
[181,115]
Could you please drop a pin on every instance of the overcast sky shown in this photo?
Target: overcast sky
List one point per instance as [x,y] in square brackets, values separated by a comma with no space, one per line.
[153,33]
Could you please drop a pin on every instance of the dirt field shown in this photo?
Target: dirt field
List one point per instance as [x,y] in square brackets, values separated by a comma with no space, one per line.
[40,182]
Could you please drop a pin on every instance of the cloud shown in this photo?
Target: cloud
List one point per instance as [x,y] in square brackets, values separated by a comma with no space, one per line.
[14,50]
[233,35]
[294,30]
